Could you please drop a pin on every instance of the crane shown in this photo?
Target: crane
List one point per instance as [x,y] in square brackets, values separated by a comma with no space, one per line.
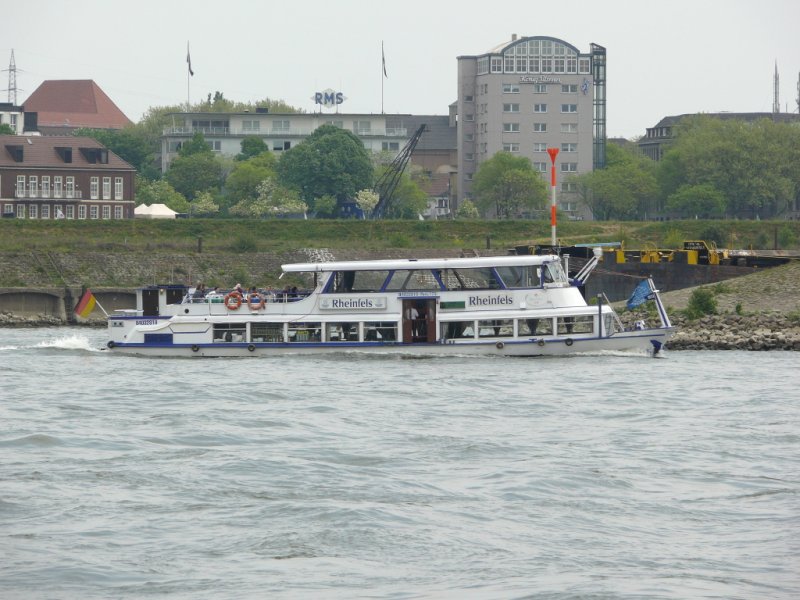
[387,183]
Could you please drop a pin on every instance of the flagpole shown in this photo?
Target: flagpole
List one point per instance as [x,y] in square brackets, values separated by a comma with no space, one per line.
[383,73]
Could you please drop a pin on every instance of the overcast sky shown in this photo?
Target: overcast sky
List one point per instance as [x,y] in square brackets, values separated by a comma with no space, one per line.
[664,58]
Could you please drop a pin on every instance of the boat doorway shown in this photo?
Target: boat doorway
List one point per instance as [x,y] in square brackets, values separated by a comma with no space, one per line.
[419,320]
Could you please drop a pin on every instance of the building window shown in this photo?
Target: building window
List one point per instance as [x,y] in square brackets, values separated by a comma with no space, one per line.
[569,167]
[71,212]
[33,184]
[540,88]
[8,209]
[58,211]
[547,65]
[45,186]
[339,124]
[32,211]
[572,64]
[533,65]
[497,64]
[106,211]
[559,65]
[569,187]
[583,65]
[511,127]
[281,125]
[540,166]
[509,63]
[106,188]
[483,65]
[390,146]
[94,184]
[20,211]
[511,108]
[467,98]
[540,108]
[569,108]
[569,147]
[118,188]
[57,190]
[20,186]
[514,147]
[81,211]
[540,127]
[539,147]
[469,118]
[571,88]
[117,211]
[468,177]
[510,88]
[469,156]
[569,128]
[362,127]
[215,145]
[250,126]
[468,137]
[93,212]
[45,211]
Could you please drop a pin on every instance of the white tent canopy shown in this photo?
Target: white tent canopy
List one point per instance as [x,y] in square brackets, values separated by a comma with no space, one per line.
[154,211]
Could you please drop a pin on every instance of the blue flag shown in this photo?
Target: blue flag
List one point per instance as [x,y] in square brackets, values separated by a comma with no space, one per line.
[640,295]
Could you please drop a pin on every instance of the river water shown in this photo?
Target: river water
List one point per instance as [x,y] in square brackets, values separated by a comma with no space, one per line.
[607,476]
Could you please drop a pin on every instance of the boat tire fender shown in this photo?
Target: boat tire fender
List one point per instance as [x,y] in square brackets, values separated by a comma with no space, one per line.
[256,302]
[195,348]
[111,344]
[540,342]
[500,345]
[251,347]
[568,342]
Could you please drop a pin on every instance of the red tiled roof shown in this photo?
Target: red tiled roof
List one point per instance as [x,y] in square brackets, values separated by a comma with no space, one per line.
[39,151]
[438,185]
[75,103]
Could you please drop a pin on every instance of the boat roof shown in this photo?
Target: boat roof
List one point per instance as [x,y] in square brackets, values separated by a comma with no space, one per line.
[422,263]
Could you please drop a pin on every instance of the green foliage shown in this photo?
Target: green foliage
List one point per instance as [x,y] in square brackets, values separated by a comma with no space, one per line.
[701,200]
[244,244]
[130,144]
[702,302]
[5,129]
[673,239]
[252,146]
[787,238]
[272,201]
[160,192]
[506,186]
[409,200]
[467,210]
[196,145]
[325,207]
[367,200]
[713,233]
[243,181]
[331,161]
[204,205]
[195,173]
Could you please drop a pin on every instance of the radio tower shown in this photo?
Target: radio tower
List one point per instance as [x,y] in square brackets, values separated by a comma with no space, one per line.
[12,80]
[776,103]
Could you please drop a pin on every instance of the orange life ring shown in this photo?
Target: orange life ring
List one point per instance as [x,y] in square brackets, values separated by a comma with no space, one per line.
[260,301]
[233,300]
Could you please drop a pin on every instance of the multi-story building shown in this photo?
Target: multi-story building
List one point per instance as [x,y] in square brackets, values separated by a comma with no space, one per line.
[224,132]
[13,116]
[528,95]
[55,177]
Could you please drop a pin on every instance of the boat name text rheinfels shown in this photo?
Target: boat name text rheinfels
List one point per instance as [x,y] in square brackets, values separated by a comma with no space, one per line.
[350,303]
[490,300]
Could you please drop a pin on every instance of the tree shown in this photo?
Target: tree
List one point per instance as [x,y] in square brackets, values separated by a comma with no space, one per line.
[5,129]
[467,210]
[252,146]
[243,180]
[195,173]
[702,201]
[160,192]
[272,201]
[325,207]
[367,200]
[331,161]
[130,144]
[196,145]
[409,200]
[507,185]
[204,205]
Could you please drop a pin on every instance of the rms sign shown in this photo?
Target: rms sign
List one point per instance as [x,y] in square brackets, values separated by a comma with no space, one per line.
[328,98]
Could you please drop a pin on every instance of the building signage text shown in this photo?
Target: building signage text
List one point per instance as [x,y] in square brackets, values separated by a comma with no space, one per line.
[328,98]
[539,79]
[503,300]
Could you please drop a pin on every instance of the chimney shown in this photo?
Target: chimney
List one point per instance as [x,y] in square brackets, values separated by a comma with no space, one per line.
[513,37]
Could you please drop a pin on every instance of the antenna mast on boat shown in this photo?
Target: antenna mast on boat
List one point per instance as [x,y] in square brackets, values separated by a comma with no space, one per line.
[553,152]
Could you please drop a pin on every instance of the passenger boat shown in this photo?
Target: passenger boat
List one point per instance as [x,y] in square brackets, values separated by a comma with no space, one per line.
[496,306]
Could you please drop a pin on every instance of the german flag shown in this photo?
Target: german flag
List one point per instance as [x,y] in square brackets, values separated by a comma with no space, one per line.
[86,305]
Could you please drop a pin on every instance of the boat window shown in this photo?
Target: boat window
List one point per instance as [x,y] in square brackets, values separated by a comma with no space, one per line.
[345,282]
[266,332]
[341,332]
[554,273]
[471,279]
[421,279]
[304,332]
[524,276]
[454,330]
[230,332]
[527,327]
[576,324]
[385,331]
[496,328]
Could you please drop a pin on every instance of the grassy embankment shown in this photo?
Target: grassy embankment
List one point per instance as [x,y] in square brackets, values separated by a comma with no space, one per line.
[100,253]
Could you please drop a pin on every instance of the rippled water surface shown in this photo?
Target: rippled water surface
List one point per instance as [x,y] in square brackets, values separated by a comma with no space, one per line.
[607,476]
